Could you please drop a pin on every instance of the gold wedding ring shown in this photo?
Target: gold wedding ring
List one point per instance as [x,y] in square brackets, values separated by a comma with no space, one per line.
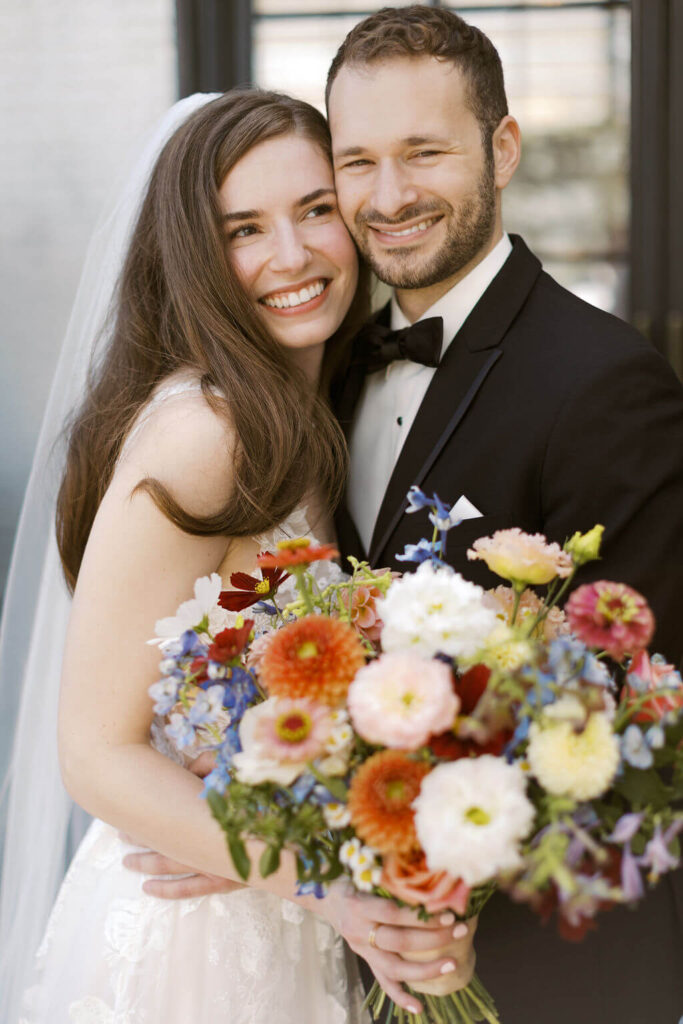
[372,937]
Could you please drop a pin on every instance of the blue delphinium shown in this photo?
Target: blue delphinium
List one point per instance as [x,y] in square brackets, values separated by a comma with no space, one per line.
[206,707]
[164,694]
[635,749]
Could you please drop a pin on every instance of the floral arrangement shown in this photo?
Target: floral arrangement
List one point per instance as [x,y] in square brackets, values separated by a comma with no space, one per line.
[433,741]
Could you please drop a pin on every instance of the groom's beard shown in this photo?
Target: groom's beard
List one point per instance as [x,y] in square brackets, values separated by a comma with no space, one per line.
[468,231]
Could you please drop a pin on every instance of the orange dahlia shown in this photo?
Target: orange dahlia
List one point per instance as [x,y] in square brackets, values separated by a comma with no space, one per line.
[314,657]
[380,798]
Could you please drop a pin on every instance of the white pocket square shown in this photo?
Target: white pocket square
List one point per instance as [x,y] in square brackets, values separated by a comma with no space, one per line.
[464,509]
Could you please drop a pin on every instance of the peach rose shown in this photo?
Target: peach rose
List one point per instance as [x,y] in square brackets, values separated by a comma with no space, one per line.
[409,879]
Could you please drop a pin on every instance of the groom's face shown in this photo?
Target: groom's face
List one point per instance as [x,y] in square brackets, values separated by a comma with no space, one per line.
[414,182]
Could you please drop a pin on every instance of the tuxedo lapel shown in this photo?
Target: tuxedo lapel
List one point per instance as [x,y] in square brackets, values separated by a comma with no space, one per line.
[461,374]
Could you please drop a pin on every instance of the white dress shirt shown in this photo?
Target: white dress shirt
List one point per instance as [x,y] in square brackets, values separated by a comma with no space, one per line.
[391,397]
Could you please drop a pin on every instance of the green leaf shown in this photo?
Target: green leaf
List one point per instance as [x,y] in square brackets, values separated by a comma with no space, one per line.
[269,861]
[217,803]
[240,857]
[336,787]
[643,788]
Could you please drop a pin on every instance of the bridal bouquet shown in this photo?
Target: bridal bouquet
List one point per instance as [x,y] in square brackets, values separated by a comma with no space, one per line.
[433,741]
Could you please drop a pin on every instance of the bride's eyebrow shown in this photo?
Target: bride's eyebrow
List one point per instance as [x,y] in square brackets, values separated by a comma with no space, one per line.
[255,214]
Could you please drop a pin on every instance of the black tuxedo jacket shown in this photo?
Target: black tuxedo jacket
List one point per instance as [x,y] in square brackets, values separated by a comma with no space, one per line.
[551,415]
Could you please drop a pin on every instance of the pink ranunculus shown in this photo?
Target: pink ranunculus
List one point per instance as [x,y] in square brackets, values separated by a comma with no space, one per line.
[400,699]
[410,880]
[522,558]
[364,613]
[652,676]
[611,616]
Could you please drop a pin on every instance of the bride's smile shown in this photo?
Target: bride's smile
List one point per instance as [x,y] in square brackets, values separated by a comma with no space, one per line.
[286,239]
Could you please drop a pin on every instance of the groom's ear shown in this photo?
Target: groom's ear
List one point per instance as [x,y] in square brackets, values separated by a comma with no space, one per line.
[507,150]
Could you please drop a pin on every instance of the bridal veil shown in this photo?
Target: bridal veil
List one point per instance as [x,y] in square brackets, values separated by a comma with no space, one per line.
[39,820]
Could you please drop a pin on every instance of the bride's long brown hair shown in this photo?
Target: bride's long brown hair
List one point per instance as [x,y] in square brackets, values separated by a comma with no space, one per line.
[180,305]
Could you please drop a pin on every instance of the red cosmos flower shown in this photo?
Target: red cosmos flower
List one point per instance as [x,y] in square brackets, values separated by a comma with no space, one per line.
[250,590]
[230,643]
[611,616]
[299,551]
[654,676]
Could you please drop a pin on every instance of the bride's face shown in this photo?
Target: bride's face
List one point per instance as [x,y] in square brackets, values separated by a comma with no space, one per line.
[286,239]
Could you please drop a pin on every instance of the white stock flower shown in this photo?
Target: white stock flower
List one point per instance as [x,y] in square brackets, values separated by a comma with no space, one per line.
[434,610]
[191,613]
[349,850]
[366,878]
[336,815]
[471,816]
[572,754]
[338,746]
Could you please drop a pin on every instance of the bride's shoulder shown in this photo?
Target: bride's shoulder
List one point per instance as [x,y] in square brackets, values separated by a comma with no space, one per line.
[183,440]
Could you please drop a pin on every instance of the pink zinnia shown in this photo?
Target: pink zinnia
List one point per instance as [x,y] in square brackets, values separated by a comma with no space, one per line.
[611,616]
[400,699]
[292,730]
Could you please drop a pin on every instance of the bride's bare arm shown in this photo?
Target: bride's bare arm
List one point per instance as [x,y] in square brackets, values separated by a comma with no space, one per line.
[139,567]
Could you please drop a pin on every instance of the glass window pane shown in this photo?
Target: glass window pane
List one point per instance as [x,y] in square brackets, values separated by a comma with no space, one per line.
[567,72]
[267,7]
[316,7]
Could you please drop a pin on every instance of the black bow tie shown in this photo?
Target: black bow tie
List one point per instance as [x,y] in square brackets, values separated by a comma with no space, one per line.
[377,346]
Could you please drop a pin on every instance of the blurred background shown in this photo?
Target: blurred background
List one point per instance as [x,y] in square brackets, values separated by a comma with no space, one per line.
[596,86]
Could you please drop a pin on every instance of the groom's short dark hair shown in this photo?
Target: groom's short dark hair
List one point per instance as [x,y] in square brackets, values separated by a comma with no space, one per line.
[421,31]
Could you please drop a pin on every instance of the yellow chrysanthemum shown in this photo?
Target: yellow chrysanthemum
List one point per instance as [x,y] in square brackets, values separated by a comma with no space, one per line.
[573,759]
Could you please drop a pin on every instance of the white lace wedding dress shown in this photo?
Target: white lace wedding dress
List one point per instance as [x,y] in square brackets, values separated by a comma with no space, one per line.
[111,954]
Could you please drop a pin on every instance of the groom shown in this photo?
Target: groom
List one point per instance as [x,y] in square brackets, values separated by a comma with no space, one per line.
[544,412]
[538,410]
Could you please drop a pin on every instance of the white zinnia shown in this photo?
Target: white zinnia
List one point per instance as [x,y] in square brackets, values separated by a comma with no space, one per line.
[572,754]
[471,816]
[434,610]
[190,614]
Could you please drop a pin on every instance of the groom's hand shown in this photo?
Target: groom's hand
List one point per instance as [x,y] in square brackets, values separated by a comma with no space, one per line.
[380,932]
[186,882]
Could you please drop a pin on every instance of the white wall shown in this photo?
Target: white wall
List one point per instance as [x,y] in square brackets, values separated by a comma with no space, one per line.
[81,81]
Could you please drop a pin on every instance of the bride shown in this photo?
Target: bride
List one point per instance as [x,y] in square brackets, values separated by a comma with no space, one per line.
[203,434]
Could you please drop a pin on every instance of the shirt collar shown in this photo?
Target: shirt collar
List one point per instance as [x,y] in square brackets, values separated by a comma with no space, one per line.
[457,304]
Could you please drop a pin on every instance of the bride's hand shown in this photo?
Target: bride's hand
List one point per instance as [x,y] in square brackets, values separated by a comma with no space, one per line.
[379,931]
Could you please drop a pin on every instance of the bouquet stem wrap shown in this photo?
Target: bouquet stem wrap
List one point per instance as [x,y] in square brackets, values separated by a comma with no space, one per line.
[462,951]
